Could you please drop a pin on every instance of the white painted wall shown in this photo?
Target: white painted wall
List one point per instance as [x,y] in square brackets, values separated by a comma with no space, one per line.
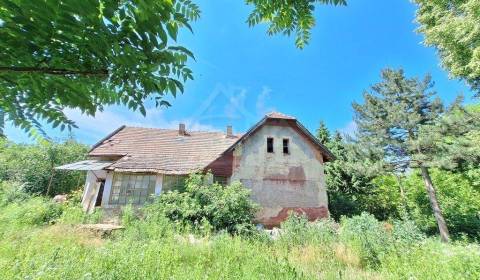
[107,189]
[91,189]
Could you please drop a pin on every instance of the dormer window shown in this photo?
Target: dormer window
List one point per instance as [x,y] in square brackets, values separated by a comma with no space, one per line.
[269,145]
[285,147]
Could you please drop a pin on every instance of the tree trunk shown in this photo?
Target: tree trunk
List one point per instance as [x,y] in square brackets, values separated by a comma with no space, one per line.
[2,124]
[442,225]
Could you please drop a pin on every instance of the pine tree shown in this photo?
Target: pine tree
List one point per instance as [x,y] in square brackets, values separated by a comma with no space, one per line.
[393,119]
[323,134]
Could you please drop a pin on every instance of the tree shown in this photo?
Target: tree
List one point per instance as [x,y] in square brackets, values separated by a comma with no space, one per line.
[452,28]
[288,17]
[401,118]
[32,165]
[58,54]
[323,134]
[346,185]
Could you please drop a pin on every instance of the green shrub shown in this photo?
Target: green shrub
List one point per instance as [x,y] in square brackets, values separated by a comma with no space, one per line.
[407,232]
[367,236]
[128,215]
[222,207]
[12,192]
[297,230]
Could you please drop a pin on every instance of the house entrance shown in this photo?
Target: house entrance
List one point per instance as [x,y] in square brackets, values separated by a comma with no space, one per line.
[98,202]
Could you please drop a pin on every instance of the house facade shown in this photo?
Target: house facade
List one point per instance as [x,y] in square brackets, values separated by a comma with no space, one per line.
[278,159]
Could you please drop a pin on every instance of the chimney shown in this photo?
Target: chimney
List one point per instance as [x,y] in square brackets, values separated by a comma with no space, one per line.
[229,131]
[181,129]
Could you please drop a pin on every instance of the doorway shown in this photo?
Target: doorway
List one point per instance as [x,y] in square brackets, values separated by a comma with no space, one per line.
[98,202]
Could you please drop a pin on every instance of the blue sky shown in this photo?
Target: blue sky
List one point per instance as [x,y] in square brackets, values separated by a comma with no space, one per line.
[241,73]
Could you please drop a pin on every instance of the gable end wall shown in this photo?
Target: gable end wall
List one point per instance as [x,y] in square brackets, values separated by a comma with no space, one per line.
[280,182]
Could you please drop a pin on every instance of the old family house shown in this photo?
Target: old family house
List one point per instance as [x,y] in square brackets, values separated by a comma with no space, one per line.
[278,159]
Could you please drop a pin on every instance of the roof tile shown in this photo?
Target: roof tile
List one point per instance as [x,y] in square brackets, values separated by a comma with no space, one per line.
[163,150]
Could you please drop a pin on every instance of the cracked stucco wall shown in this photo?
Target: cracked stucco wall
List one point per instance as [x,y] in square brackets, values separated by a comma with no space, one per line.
[282,182]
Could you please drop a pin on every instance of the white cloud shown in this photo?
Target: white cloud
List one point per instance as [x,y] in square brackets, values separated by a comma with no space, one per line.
[112,118]
[262,102]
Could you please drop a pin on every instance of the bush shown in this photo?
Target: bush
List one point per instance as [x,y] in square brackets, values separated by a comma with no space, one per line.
[297,230]
[367,236]
[12,192]
[407,232]
[128,215]
[206,205]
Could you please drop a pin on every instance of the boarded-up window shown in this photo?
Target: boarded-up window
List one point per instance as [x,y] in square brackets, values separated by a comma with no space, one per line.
[173,182]
[128,188]
[269,145]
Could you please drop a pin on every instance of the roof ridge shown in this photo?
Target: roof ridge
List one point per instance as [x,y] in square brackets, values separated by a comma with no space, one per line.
[173,129]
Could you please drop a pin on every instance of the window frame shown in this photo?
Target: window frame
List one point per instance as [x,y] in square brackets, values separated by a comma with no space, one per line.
[131,188]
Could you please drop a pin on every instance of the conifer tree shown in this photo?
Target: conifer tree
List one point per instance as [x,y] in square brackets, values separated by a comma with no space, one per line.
[392,119]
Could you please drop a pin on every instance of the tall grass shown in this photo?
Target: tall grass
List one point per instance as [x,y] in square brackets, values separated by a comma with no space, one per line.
[40,240]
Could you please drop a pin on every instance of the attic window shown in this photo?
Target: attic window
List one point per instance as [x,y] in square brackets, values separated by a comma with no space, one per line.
[269,145]
[285,146]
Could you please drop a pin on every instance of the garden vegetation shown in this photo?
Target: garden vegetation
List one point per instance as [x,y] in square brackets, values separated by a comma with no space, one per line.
[40,239]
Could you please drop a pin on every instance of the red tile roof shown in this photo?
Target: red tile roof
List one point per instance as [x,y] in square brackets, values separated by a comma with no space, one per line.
[162,150]
[165,151]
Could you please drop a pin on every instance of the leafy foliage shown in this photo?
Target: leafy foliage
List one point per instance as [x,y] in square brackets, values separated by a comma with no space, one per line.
[207,205]
[346,185]
[458,197]
[32,165]
[297,230]
[452,28]
[287,17]
[69,54]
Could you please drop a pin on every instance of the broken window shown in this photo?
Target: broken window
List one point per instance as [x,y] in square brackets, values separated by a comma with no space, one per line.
[285,146]
[128,188]
[269,145]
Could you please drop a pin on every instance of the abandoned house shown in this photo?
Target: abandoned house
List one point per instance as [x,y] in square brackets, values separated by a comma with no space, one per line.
[278,159]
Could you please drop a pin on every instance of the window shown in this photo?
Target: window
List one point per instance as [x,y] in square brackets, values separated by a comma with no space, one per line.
[269,145]
[173,183]
[221,180]
[131,188]
[285,146]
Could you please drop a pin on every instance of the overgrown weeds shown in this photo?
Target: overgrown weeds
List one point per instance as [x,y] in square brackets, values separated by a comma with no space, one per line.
[40,240]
